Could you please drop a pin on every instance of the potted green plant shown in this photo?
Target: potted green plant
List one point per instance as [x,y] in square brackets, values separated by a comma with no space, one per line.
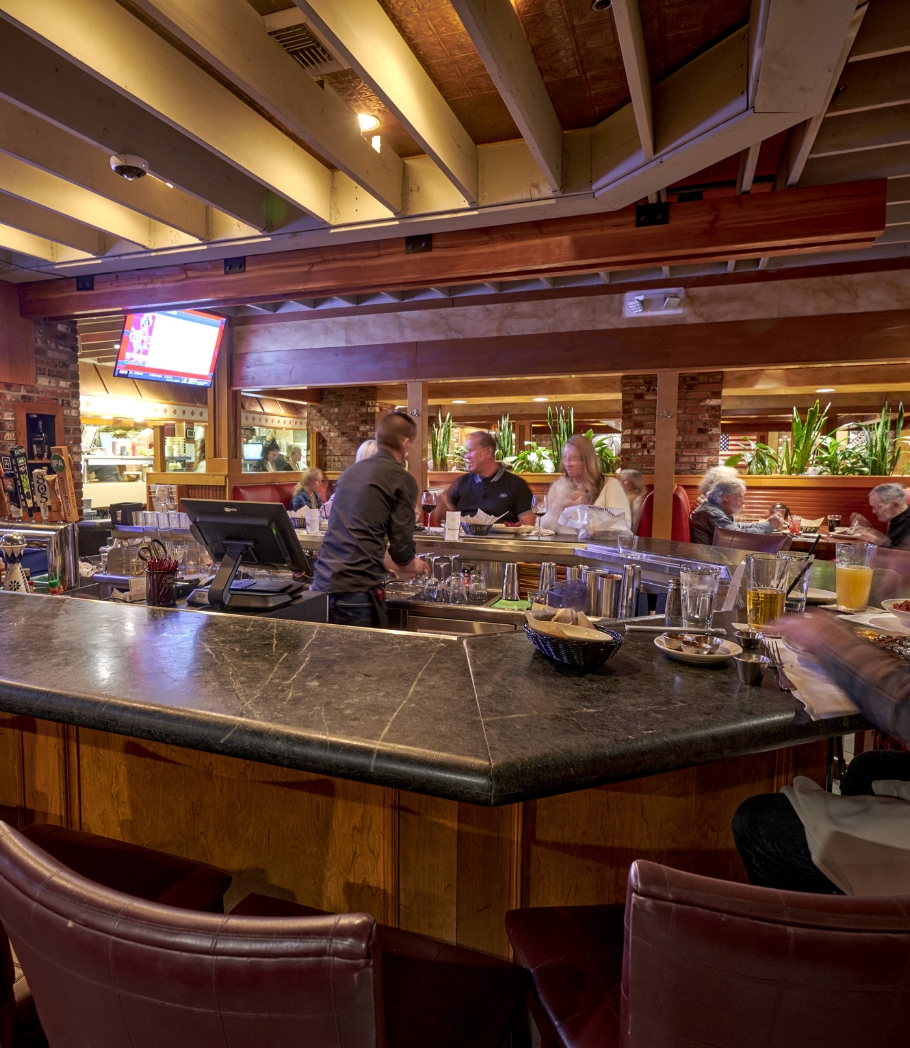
[533,459]
[504,436]
[441,441]
[606,456]
[562,426]
[880,449]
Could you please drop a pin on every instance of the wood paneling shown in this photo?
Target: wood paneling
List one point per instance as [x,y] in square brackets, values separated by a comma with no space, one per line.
[720,228]
[578,847]
[827,339]
[438,867]
[320,841]
[17,354]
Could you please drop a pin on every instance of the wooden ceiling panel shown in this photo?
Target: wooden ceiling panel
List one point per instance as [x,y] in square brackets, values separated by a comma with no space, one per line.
[579,57]
[434,32]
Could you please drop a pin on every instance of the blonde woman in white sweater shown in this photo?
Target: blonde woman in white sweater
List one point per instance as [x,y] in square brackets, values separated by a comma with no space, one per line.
[582,485]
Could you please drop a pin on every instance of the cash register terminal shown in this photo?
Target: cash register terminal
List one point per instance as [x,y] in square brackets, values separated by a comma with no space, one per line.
[248,533]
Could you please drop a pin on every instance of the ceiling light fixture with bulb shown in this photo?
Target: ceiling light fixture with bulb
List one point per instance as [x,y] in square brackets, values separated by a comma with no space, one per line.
[540,400]
[368,122]
[459,402]
[826,389]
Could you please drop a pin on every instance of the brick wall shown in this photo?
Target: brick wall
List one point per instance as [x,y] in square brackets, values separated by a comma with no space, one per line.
[639,418]
[344,419]
[698,421]
[56,379]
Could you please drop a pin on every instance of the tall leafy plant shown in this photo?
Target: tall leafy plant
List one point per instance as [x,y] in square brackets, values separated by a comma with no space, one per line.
[836,458]
[505,439]
[799,449]
[441,441]
[606,456]
[562,426]
[760,459]
[881,448]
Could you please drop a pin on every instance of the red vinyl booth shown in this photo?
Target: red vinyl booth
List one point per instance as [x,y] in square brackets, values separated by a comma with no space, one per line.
[679,526]
[265,493]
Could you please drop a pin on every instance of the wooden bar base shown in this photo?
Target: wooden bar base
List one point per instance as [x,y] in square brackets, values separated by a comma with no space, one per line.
[446,869]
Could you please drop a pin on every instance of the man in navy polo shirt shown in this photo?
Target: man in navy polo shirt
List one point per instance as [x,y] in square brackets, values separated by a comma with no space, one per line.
[488,486]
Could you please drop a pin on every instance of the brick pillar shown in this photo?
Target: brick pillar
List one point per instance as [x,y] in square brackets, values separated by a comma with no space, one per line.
[639,416]
[345,418]
[698,421]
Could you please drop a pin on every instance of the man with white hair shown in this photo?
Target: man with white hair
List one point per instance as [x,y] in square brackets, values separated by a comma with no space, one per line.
[889,504]
[725,500]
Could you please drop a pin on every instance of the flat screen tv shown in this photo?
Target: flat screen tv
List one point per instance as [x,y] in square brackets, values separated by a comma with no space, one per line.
[179,345]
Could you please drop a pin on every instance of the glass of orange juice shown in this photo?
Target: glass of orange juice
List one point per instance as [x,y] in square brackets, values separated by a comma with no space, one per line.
[853,574]
[766,586]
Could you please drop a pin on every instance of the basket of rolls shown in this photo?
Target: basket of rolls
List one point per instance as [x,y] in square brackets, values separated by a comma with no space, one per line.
[568,637]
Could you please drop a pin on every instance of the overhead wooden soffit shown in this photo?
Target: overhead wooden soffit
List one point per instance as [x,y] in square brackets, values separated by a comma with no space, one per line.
[749,226]
[786,341]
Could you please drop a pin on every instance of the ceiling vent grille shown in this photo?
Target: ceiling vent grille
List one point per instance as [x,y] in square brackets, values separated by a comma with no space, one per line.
[303,47]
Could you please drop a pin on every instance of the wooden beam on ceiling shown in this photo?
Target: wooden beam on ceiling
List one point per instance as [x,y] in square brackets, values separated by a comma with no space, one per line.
[635,62]
[885,31]
[716,229]
[845,167]
[748,161]
[872,84]
[872,129]
[703,112]
[830,338]
[41,143]
[232,38]
[801,138]
[496,32]
[106,41]
[361,32]
[31,183]
[37,78]
[37,247]
[60,229]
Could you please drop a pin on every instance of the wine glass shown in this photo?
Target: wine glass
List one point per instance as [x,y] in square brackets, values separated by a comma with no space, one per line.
[538,508]
[428,503]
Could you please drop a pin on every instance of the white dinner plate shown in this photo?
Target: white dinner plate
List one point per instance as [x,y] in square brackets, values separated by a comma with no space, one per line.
[820,596]
[727,651]
[890,624]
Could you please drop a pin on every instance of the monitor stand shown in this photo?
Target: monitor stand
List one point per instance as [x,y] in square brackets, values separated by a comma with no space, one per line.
[220,594]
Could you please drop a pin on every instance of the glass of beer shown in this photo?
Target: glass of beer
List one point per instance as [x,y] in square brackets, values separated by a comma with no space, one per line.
[853,575]
[766,586]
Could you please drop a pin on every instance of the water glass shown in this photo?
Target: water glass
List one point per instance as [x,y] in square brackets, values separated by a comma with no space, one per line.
[699,589]
[795,599]
[766,585]
[853,574]
[477,588]
[625,545]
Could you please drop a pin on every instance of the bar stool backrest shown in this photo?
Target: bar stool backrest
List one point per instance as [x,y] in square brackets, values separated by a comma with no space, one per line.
[729,965]
[109,970]
[752,541]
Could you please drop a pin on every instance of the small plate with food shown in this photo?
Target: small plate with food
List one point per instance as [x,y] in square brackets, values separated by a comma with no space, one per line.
[697,650]
[900,609]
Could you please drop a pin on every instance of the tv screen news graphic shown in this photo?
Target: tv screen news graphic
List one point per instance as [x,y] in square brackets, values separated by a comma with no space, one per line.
[179,345]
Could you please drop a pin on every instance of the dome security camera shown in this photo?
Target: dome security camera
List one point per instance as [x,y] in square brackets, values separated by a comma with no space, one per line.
[129,167]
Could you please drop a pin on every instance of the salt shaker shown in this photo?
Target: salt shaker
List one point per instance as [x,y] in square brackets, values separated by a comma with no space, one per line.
[673,613]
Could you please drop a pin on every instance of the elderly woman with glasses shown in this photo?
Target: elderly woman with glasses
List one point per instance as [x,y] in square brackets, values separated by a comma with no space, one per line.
[889,504]
[725,500]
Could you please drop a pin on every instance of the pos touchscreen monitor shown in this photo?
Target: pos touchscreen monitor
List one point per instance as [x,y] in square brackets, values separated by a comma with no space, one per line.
[238,533]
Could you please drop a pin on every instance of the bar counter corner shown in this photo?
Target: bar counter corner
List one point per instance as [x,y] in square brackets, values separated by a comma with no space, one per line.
[430,780]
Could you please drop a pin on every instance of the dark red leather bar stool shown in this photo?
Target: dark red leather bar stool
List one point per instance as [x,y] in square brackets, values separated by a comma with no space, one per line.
[128,868]
[711,963]
[435,995]
[108,970]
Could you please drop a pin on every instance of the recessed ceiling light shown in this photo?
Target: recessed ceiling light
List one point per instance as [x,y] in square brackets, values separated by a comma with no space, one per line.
[368,122]
[459,402]
[825,389]
[540,400]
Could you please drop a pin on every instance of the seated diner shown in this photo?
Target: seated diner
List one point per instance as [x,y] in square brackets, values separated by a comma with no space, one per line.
[487,486]
[889,504]
[724,500]
[582,485]
[310,492]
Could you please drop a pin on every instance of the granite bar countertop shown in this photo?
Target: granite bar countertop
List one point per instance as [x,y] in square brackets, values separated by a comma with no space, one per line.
[484,719]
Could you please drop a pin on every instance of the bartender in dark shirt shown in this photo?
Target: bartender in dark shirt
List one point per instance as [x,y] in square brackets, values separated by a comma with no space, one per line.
[487,486]
[375,505]
[889,503]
